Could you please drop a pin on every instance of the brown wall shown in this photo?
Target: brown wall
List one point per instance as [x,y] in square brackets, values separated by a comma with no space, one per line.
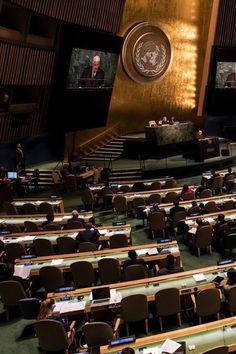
[133,105]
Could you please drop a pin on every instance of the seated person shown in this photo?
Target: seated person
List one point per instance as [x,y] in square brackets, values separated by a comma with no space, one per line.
[230,283]
[9,275]
[46,312]
[50,220]
[194,209]
[185,191]
[202,187]
[175,208]
[134,260]
[173,121]
[165,120]
[171,266]
[127,350]
[75,217]
[199,134]
[90,234]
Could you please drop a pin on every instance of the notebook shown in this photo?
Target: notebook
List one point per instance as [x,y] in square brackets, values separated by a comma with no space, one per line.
[100,295]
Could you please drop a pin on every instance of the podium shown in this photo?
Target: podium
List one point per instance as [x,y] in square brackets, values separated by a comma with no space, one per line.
[202,149]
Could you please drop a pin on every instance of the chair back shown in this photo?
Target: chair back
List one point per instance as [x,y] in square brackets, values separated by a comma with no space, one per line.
[74,224]
[206,193]
[51,335]
[189,196]
[138,201]
[231,297]
[51,277]
[133,272]
[97,333]
[229,243]
[14,250]
[66,244]
[43,247]
[30,208]
[171,197]
[46,208]
[157,221]
[134,308]
[208,302]
[29,308]
[118,240]
[155,185]
[51,227]
[170,183]
[224,349]
[167,302]
[87,247]
[217,184]
[125,188]
[109,270]
[10,208]
[138,187]
[229,204]
[154,198]
[120,204]
[11,292]
[204,236]
[30,226]
[210,207]
[83,274]
[179,215]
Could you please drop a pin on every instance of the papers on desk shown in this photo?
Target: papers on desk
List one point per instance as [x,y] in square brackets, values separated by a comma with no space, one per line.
[169,346]
[190,222]
[73,235]
[57,261]
[142,251]
[192,231]
[28,238]
[152,251]
[64,307]
[210,220]
[22,271]
[199,277]
[103,232]
[2,221]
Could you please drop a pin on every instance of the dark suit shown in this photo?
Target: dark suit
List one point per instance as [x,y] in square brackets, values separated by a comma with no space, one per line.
[91,235]
[174,210]
[87,79]
[170,270]
[129,262]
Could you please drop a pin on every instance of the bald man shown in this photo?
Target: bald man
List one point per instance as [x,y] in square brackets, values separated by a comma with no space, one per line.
[92,76]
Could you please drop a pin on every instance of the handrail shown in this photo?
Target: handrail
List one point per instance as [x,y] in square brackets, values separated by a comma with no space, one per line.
[97,141]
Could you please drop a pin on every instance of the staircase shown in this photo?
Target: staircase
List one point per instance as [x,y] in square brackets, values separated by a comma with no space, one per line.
[121,175]
[109,151]
[45,177]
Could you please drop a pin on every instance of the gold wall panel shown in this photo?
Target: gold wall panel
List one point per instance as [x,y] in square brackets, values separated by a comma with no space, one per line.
[187,24]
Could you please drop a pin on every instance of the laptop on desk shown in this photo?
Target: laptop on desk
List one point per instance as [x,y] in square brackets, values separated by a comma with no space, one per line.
[100,296]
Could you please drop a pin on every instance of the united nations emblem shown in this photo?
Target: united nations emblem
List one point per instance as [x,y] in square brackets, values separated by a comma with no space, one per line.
[146,53]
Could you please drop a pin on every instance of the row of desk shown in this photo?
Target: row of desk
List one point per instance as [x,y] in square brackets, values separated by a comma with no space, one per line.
[151,253]
[186,282]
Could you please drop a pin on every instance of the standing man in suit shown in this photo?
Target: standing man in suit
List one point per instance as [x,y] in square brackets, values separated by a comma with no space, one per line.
[92,76]
[20,160]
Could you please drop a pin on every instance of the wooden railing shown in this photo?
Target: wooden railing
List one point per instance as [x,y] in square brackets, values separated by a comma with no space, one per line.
[99,140]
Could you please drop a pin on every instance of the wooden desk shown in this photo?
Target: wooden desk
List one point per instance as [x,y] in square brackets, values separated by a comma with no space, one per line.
[184,281]
[57,205]
[60,218]
[106,232]
[93,257]
[204,337]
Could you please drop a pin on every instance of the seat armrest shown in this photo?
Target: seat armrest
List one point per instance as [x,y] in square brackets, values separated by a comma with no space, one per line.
[116,327]
[193,301]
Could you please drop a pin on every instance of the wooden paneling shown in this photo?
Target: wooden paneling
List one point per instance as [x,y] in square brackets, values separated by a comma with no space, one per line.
[24,65]
[226,24]
[103,14]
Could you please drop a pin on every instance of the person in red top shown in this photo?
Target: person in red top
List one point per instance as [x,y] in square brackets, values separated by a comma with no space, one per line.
[185,191]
